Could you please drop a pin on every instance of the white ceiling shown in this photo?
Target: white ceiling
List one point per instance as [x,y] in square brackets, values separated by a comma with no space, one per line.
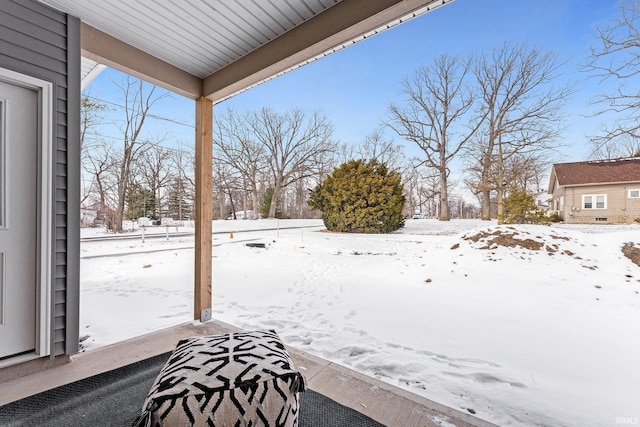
[217,48]
[211,35]
[89,70]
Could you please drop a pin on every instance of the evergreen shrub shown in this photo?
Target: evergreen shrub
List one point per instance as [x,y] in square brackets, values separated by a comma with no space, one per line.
[555,217]
[520,208]
[360,197]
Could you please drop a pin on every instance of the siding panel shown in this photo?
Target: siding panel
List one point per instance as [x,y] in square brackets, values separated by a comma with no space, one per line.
[60,209]
[28,11]
[19,64]
[58,348]
[62,143]
[60,233]
[36,59]
[11,35]
[61,105]
[619,208]
[41,34]
[60,273]
[44,43]
[61,258]
[60,156]
[45,11]
[62,136]
[61,182]
[59,323]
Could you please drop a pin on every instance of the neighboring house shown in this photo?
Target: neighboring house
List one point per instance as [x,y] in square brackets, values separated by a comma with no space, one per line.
[603,191]
[543,200]
[88,217]
[248,214]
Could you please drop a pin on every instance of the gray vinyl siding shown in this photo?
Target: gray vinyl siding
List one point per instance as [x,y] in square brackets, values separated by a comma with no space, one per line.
[44,43]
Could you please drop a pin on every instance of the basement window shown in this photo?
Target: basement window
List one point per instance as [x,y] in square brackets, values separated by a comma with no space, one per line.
[594,201]
[601,219]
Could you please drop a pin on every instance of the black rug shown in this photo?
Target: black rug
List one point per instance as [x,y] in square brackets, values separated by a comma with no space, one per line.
[115,398]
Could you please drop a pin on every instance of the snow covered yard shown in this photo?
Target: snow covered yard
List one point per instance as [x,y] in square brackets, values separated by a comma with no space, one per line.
[522,325]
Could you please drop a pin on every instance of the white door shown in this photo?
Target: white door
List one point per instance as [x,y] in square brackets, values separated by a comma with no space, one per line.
[18,219]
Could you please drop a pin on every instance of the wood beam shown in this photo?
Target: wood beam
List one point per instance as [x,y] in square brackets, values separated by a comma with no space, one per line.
[108,50]
[335,26]
[203,209]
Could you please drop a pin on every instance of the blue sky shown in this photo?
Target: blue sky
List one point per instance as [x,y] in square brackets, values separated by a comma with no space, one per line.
[353,87]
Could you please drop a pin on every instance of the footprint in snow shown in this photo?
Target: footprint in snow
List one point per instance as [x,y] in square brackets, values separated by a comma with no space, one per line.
[486,379]
[355,351]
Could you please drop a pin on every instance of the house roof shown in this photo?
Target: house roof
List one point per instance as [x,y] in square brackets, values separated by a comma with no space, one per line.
[217,48]
[597,172]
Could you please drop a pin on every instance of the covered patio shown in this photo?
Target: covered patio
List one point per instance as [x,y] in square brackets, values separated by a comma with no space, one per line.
[211,52]
[382,402]
[206,51]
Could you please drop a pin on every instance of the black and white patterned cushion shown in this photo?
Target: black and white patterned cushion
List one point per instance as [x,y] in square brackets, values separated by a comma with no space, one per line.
[236,379]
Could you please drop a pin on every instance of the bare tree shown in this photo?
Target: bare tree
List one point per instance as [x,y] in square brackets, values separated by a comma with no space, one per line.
[619,147]
[296,144]
[138,100]
[343,154]
[436,116]
[156,172]
[183,188]
[617,57]
[410,184]
[429,193]
[99,163]
[521,109]
[526,171]
[226,185]
[422,189]
[219,194]
[90,117]
[237,148]
[375,147]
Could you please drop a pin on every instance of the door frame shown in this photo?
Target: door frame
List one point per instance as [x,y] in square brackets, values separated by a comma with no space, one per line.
[45,181]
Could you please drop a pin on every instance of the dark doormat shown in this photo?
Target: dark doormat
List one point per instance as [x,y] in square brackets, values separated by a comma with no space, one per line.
[115,398]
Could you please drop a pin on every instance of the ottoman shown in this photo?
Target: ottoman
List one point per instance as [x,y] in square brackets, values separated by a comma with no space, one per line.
[236,379]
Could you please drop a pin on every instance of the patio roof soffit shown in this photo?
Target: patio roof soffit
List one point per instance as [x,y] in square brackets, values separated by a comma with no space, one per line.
[347,22]
[341,25]
[105,49]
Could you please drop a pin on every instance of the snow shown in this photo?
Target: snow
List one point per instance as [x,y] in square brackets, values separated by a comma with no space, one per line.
[520,336]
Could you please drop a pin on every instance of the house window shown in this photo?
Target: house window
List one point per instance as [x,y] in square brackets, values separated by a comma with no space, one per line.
[634,194]
[594,201]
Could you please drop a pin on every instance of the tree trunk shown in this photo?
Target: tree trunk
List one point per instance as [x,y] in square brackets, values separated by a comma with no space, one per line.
[118,214]
[256,204]
[500,202]
[274,199]
[233,208]
[486,205]
[444,197]
[501,183]
[485,184]
[222,210]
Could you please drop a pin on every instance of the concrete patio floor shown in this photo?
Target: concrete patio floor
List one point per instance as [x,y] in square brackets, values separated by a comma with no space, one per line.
[380,401]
